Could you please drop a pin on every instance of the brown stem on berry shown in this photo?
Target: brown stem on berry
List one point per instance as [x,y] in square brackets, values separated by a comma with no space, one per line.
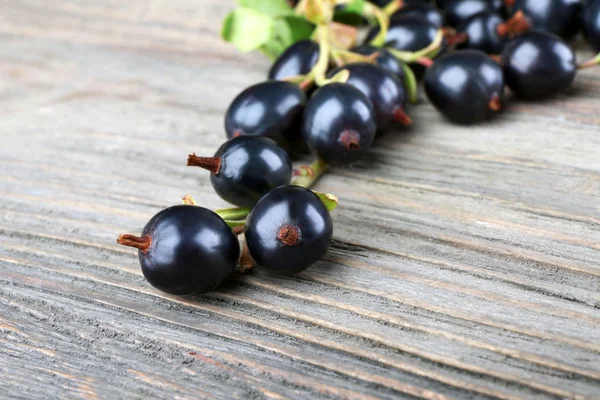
[509,3]
[141,243]
[495,103]
[457,38]
[213,164]
[238,230]
[304,85]
[246,262]
[236,133]
[448,31]
[350,139]
[516,25]
[424,61]
[189,200]
[496,57]
[288,235]
[401,117]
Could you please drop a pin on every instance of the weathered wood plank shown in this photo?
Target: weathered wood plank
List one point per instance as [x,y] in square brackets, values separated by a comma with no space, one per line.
[466,261]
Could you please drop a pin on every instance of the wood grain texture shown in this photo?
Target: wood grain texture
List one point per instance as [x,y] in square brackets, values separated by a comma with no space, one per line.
[465,261]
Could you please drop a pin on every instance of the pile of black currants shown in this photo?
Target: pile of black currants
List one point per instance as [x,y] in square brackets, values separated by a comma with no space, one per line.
[332,97]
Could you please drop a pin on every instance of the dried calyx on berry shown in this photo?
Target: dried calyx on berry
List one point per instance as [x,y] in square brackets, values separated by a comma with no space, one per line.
[185,250]
[476,91]
[246,168]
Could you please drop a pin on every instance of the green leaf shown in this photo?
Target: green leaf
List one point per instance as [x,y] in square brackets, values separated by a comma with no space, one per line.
[280,37]
[272,8]
[247,29]
[300,28]
[272,49]
[282,32]
[286,31]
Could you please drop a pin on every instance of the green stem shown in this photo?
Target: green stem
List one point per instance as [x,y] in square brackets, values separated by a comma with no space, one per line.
[590,63]
[235,224]
[344,57]
[319,71]
[382,19]
[233,214]
[410,83]
[306,176]
[428,52]
[393,6]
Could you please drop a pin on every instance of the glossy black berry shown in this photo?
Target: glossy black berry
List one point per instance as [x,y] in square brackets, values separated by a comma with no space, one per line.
[288,230]
[538,65]
[339,123]
[272,109]
[298,59]
[185,250]
[441,4]
[385,92]
[488,32]
[409,34]
[561,17]
[424,10]
[466,86]
[591,23]
[385,59]
[246,168]
[457,12]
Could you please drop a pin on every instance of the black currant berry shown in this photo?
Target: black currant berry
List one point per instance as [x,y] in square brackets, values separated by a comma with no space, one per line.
[385,92]
[185,250]
[488,32]
[561,17]
[298,59]
[441,4]
[591,23]
[246,168]
[272,109]
[538,65]
[339,123]
[409,34]
[288,230]
[466,86]
[385,59]
[457,12]
[424,10]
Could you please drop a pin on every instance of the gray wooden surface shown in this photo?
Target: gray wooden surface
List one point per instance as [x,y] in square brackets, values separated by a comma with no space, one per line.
[466,261]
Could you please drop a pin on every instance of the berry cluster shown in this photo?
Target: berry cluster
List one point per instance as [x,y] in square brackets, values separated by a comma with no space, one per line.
[330,96]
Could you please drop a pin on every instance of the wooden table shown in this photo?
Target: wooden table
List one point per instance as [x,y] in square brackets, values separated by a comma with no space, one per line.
[465,261]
